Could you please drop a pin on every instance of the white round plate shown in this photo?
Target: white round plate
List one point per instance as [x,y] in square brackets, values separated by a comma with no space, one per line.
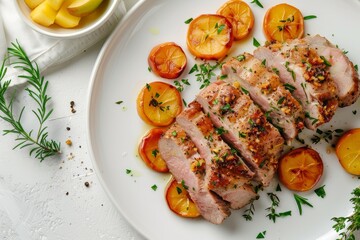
[114,130]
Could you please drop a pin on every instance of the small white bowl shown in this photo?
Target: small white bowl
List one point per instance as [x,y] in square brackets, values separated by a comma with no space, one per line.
[87,24]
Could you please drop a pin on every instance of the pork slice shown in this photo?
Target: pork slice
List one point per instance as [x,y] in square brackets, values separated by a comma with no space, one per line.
[266,90]
[226,173]
[302,68]
[342,69]
[186,164]
[244,126]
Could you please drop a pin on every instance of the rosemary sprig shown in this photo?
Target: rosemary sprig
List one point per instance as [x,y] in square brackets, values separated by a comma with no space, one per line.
[347,232]
[39,143]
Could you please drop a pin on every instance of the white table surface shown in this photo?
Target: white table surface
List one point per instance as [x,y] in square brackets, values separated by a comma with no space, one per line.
[49,200]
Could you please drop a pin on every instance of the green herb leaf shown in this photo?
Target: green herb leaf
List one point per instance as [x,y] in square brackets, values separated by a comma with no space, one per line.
[256,43]
[261,235]
[128,171]
[320,191]
[179,191]
[326,62]
[154,187]
[188,21]
[310,17]
[184,185]
[257,2]
[301,201]
[289,87]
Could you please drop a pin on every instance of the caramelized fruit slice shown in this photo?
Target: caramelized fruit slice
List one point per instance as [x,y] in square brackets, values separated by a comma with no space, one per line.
[348,151]
[179,201]
[300,169]
[282,22]
[159,103]
[240,15]
[167,60]
[149,150]
[210,36]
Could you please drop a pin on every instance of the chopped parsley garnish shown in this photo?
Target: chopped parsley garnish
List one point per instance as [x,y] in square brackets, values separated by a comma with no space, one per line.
[261,235]
[119,102]
[149,69]
[184,185]
[242,135]
[263,62]
[128,171]
[326,62]
[154,187]
[278,188]
[256,43]
[154,152]
[310,17]
[289,87]
[354,112]
[320,191]
[281,100]
[174,133]
[327,135]
[184,102]
[223,76]
[245,91]
[301,201]
[148,87]
[226,108]
[219,28]
[240,58]
[275,70]
[257,2]
[188,21]
[356,68]
[179,191]
[220,130]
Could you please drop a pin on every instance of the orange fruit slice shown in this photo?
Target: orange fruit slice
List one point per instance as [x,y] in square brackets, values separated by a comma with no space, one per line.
[179,201]
[240,15]
[210,36]
[149,150]
[348,151]
[167,60]
[282,22]
[300,169]
[158,104]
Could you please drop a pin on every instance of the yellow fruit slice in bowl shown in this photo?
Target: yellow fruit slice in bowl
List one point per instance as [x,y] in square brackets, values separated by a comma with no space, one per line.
[348,151]
[210,36]
[83,8]
[240,15]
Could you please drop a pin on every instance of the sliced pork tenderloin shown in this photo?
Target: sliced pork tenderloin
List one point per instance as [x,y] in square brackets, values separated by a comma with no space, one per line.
[342,69]
[186,165]
[308,73]
[226,174]
[244,126]
[266,90]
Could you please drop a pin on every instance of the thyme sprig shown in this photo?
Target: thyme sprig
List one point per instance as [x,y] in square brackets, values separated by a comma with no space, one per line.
[326,135]
[272,209]
[39,144]
[249,213]
[353,221]
[204,73]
